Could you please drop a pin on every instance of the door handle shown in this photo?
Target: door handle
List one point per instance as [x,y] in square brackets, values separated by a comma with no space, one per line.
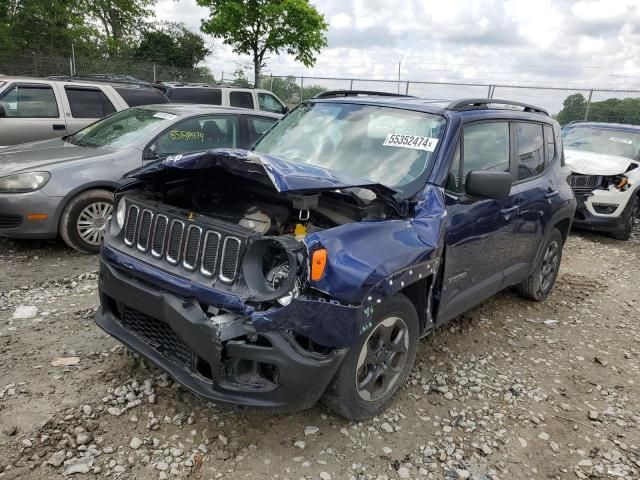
[59,126]
[507,212]
[551,194]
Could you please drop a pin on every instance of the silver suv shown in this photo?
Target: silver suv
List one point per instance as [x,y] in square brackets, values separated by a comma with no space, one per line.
[38,109]
[225,96]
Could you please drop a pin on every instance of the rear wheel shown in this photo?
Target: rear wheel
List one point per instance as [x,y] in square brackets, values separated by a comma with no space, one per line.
[379,364]
[538,285]
[84,220]
[630,215]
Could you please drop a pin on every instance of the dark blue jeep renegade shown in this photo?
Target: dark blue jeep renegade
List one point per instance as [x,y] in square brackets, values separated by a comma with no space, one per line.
[311,265]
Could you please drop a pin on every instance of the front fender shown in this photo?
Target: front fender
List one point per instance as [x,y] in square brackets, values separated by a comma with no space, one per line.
[368,261]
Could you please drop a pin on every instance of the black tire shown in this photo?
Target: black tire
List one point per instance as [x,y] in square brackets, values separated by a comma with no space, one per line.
[630,215]
[71,222]
[343,396]
[537,286]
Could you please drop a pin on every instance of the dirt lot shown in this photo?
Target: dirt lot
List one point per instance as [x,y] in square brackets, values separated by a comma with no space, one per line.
[511,390]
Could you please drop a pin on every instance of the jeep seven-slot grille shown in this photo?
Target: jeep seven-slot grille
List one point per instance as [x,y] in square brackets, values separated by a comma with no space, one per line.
[584,183]
[186,244]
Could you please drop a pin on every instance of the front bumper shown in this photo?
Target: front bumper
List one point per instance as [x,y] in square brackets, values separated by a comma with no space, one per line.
[587,217]
[14,209]
[218,357]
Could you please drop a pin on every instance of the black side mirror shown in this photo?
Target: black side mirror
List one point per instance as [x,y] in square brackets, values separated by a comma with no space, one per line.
[150,153]
[3,112]
[285,109]
[488,184]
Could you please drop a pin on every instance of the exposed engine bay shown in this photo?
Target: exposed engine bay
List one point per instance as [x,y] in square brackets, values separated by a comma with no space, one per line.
[270,226]
[259,208]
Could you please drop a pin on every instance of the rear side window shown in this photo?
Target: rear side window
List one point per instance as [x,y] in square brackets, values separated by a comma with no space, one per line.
[30,101]
[530,149]
[207,96]
[550,143]
[88,102]
[241,99]
[136,97]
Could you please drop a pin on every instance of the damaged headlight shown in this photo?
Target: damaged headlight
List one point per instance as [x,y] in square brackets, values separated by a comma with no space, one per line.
[270,269]
[24,182]
[276,277]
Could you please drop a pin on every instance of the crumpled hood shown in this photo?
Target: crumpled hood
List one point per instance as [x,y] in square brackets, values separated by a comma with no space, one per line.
[42,155]
[285,176]
[590,163]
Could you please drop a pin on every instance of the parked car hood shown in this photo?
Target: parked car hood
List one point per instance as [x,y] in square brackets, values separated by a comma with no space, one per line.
[590,163]
[285,176]
[43,154]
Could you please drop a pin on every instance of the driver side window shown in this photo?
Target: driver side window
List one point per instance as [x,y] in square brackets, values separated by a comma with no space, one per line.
[485,146]
[199,134]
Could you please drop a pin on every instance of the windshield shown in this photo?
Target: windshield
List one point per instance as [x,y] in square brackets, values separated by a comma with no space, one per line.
[122,129]
[621,143]
[383,145]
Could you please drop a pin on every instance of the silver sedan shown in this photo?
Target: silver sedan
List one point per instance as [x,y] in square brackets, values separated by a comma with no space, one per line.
[65,186]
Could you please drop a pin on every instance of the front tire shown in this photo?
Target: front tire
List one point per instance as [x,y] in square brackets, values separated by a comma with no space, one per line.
[537,286]
[85,219]
[630,216]
[378,364]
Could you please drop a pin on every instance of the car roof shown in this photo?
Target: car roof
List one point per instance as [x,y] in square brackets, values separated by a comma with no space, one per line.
[172,86]
[186,109]
[78,81]
[616,126]
[469,108]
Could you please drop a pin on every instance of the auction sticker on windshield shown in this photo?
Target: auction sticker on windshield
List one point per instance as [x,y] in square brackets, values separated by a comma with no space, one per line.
[621,140]
[164,116]
[414,142]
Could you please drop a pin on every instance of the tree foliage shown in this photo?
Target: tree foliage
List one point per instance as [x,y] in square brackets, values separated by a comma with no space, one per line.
[172,44]
[261,27]
[289,89]
[612,110]
[118,20]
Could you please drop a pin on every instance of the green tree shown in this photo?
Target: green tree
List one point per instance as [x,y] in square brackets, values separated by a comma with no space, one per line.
[43,27]
[259,27]
[172,44]
[288,88]
[119,20]
[574,108]
[614,110]
[240,78]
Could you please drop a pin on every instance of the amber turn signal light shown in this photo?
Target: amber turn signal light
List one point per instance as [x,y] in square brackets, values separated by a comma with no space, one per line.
[37,216]
[318,263]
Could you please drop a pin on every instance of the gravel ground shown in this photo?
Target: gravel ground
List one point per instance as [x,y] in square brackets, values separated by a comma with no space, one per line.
[510,390]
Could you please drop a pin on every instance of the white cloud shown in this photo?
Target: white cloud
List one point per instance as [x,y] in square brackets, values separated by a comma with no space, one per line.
[542,42]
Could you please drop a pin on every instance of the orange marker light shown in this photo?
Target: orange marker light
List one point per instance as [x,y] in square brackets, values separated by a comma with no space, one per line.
[37,216]
[318,263]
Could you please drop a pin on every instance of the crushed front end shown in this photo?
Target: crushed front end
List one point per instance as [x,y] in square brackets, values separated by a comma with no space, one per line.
[205,272]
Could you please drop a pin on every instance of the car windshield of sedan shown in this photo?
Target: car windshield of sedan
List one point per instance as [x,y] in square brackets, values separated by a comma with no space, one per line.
[621,143]
[384,145]
[121,129]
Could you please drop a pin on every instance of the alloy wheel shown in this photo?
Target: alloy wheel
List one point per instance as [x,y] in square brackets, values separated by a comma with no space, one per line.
[549,266]
[92,222]
[382,359]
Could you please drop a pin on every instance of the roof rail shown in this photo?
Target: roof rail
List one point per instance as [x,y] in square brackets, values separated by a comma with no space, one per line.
[479,103]
[120,79]
[355,93]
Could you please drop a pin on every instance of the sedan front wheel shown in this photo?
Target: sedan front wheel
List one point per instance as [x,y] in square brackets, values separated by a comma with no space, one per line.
[85,219]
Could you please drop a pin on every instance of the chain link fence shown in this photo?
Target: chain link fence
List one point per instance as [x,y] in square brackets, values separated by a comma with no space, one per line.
[565,104]
[40,65]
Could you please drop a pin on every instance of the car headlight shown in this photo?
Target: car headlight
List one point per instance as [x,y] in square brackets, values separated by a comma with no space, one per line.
[117,220]
[24,182]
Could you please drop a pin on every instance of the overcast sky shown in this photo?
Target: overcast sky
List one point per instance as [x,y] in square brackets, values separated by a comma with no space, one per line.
[533,42]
